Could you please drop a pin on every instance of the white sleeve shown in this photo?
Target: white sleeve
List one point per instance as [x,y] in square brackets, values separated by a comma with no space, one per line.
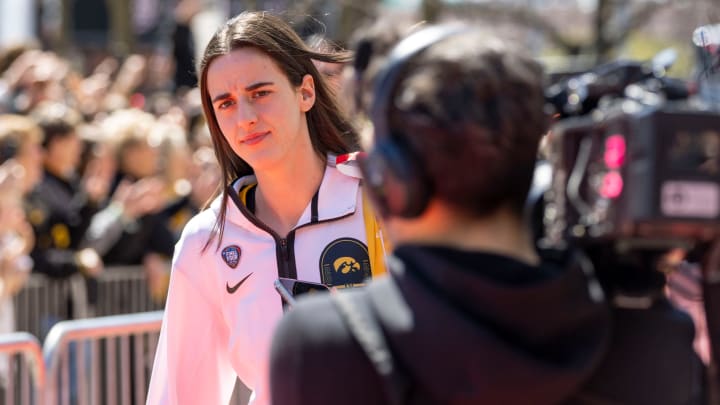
[192,365]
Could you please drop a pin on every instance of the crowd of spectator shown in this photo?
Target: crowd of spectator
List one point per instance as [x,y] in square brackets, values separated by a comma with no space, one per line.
[97,169]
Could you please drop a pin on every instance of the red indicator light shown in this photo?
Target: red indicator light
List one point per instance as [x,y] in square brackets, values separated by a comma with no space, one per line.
[615,151]
[137,100]
[612,185]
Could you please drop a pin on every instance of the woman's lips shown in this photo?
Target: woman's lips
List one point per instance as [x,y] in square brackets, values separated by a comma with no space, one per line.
[255,138]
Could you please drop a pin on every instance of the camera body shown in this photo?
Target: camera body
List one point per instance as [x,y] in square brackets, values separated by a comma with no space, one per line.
[638,174]
[634,157]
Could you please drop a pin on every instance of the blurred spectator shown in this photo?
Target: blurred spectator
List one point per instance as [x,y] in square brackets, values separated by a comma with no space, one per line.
[9,54]
[198,132]
[16,240]
[371,45]
[137,152]
[184,44]
[204,177]
[175,160]
[20,169]
[20,140]
[142,195]
[34,77]
[63,205]
[129,78]
[330,71]
[119,182]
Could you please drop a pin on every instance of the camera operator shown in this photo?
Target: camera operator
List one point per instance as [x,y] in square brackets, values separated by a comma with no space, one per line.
[470,313]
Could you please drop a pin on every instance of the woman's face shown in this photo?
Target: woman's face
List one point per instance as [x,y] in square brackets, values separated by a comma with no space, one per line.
[261,115]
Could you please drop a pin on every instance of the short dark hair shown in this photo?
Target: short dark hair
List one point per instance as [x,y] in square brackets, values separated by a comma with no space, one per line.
[472,109]
[56,120]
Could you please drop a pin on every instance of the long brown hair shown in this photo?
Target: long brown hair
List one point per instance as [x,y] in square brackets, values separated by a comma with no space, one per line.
[327,125]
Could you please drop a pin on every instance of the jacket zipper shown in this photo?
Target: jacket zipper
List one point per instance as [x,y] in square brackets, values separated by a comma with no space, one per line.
[285,254]
[284,246]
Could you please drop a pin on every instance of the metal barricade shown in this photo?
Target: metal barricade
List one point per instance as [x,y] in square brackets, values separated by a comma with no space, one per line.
[93,354]
[123,290]
[105,360]
[101,360]
[22,369]
[44,301]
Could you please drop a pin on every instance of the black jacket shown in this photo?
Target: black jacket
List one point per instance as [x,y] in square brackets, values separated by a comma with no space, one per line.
[478,328]
[60,213]
[147,234]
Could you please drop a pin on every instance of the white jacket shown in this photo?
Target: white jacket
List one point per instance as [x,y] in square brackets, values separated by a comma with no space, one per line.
[222,307]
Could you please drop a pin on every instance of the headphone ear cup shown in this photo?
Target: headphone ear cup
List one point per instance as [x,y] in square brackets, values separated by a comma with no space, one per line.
[374,169]
[394,183]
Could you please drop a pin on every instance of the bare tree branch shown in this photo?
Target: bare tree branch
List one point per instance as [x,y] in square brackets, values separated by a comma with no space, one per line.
[606,37]
[640,16]
[431,9]
[350,16]
[603,14]
[250,4]
[520,15]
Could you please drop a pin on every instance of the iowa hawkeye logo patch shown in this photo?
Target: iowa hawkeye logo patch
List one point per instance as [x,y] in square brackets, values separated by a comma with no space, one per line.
[344,263]
[231,255]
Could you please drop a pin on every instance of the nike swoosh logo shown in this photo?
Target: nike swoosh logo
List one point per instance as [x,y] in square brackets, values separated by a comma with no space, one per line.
[234,288]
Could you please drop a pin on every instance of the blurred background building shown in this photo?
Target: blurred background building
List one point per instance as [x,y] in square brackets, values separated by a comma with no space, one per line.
[586,31]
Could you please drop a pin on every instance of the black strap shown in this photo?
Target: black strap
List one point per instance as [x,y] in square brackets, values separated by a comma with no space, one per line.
[711,301]
[364,327]
[709,257]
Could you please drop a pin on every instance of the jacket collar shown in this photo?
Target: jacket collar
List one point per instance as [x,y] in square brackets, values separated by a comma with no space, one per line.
[336,197]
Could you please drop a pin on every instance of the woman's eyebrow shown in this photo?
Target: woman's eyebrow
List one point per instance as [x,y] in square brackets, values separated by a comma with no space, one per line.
[257,85]
[221,97]
[251,87]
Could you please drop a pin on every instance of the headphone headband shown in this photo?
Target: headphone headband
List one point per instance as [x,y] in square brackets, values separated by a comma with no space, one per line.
[395,179]
[387,80]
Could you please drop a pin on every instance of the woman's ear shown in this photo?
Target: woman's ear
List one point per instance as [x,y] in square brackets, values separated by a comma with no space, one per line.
[307,93]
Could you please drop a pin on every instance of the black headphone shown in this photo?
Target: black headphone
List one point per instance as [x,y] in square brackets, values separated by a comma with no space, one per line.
[395,178]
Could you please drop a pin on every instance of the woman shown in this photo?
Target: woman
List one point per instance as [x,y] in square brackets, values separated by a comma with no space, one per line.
[286,210]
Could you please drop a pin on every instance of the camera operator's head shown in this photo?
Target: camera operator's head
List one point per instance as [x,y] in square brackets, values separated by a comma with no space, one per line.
[458,116]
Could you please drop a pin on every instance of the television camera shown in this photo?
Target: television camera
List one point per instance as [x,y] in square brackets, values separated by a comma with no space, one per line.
[634,157]
[632,167]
